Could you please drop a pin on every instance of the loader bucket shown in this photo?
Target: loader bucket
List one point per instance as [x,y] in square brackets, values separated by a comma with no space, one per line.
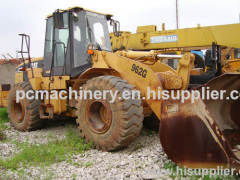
[206,133]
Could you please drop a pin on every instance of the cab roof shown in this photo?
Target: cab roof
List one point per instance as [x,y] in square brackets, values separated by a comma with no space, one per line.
[75,8]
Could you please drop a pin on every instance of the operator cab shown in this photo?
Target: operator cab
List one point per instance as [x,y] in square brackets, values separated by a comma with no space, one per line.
[69,34]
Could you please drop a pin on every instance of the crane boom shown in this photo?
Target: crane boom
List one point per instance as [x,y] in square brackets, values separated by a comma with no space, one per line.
[149,38]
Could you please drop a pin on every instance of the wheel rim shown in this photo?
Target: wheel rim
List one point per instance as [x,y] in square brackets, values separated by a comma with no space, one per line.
[18,111]
[99,116]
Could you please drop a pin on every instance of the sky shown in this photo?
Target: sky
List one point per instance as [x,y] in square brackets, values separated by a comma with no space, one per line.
[28,16]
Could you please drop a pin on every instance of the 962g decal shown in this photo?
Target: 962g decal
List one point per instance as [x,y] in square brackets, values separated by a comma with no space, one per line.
[139,70]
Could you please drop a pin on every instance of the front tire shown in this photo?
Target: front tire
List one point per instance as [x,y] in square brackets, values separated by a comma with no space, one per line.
[114,125]
[23,116]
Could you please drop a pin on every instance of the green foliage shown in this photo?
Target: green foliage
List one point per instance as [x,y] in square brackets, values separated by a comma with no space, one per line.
[3,115]
[46,154]
[2,135]
[3,120]
[88,164]
[76,143]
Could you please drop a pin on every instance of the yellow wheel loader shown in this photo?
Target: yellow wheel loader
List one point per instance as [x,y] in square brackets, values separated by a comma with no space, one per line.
[78,55]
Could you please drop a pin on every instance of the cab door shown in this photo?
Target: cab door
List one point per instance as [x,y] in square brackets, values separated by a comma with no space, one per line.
[57,48]
[81,60]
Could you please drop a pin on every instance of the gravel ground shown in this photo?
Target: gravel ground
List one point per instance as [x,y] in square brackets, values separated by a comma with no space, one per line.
[143,157]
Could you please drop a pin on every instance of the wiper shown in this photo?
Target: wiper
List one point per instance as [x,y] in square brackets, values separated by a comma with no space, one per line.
[90,32]
[98,46]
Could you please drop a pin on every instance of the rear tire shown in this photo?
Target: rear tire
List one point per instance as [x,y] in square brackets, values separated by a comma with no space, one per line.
[23,116]
[109,126]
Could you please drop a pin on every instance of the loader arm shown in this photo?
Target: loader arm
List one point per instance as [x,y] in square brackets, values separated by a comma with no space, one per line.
[144,78]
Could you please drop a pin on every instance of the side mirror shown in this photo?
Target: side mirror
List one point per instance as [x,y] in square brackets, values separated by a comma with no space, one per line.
[58,19]
[116,27]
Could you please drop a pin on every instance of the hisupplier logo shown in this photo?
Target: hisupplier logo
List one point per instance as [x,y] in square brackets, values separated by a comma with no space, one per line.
[178,171]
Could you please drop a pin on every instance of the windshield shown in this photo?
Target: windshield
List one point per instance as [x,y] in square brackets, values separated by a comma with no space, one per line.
[88,28]
[98,30]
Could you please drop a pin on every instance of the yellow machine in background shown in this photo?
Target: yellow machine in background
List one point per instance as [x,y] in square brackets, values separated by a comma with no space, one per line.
[4,89]
[148,37]
[224,37]
[7,78]
[78,54]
